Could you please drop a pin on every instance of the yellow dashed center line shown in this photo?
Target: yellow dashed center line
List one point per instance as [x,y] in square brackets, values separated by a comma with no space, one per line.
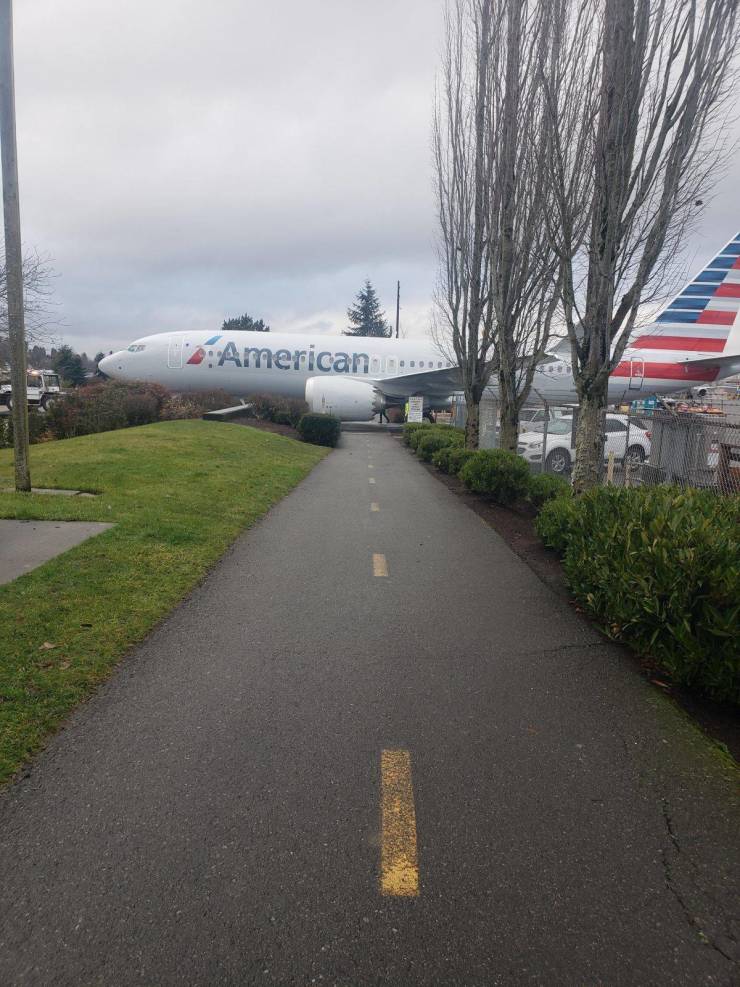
[375,506]
[380,566]
[370,466]
[399,870]
[371,480]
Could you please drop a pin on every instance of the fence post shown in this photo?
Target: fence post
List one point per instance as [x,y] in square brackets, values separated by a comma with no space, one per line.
[610,469]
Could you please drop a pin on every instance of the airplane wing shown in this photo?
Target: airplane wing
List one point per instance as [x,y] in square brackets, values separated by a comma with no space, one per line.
[729,365]
[430,383]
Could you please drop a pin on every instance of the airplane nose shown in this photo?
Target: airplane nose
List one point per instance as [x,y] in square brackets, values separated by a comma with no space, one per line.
[109,364]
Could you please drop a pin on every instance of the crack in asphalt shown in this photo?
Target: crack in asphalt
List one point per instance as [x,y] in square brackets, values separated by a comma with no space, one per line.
[692,920]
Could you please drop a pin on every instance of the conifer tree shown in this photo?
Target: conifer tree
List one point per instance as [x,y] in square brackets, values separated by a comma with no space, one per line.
[244,323]
[365,316]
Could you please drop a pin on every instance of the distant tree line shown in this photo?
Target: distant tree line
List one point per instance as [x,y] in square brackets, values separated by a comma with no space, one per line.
[244,323]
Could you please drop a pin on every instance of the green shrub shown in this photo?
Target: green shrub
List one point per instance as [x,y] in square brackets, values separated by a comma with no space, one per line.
[320,430]
[441,458]
[457,458]
[414,437]
[555,520]
[417,435]
[273,408]
[429,442]
[544,487]
[502,475]
[660,569]
[181,406]
[37,428]
[411,428]
[104,406]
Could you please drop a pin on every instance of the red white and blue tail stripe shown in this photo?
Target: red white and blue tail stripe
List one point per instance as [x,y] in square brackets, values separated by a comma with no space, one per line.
[696,337]
[701,317]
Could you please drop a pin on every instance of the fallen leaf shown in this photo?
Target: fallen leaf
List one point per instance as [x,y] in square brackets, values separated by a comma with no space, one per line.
[47,646]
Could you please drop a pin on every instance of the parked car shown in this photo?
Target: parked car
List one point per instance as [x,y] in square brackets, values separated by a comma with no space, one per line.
[626,440]
[535,416]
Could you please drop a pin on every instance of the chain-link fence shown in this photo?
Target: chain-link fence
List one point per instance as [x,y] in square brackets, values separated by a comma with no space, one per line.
[680,448]
[644,448]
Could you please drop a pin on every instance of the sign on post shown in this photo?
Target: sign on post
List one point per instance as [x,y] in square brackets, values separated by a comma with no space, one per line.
[416,409]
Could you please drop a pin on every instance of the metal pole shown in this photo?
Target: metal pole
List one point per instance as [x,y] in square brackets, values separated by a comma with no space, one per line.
[13,251]
[545,428]
[398,305]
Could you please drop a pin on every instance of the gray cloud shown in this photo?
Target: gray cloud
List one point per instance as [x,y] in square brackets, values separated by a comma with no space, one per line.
[184,161]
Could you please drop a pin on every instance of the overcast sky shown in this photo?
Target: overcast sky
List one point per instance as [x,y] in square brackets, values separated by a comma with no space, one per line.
[185,161]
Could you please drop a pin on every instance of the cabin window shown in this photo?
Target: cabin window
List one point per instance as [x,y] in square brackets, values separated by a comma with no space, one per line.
[411,363]
[403,363]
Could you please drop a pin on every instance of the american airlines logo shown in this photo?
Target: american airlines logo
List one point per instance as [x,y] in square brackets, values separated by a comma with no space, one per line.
[262,356]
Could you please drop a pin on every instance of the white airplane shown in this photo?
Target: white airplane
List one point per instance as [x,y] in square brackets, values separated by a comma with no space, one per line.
[694,342]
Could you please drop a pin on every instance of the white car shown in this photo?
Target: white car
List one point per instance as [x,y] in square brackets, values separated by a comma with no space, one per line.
[625,439]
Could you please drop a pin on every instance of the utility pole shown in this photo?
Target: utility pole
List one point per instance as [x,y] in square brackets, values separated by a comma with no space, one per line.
[398,305]
[13,250]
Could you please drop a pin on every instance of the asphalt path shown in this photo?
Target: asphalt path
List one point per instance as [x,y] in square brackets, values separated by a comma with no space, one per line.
[213,815]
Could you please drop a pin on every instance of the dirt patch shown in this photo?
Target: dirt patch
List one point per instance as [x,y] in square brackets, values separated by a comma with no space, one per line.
[516,526]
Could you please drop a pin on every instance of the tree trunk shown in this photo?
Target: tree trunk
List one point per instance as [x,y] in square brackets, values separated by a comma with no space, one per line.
[590,439]
[472,422]
[509,421]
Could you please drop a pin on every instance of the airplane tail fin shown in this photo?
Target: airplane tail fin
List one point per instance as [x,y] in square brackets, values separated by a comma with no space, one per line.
[703,318]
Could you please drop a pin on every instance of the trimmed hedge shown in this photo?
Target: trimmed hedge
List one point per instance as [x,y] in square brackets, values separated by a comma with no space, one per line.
[320,430]
[430,442]
[107,405]
[37,428]
[502,475]
[280,410]
[451,458]
[544,487]
[411,428]
[660,569]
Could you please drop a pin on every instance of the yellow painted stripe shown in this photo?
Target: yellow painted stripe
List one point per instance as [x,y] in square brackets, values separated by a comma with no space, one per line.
[370,466]
[371,480]
[380,566]
[375,506]
[399,869]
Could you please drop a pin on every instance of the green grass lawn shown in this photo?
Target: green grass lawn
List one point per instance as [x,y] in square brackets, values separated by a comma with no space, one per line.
[179,493]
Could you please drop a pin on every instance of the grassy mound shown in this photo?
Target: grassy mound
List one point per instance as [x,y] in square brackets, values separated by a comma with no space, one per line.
[179,493]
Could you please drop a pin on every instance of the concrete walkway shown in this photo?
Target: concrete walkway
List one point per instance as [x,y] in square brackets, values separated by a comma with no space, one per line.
[25,545]
[213,815]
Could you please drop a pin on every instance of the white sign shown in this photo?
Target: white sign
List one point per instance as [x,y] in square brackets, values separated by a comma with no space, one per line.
[416,409]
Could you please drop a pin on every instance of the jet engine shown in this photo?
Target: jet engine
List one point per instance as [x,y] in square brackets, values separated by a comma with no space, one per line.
[350,400]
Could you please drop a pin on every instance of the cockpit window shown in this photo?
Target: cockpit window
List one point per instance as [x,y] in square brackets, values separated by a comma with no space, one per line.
[136,347]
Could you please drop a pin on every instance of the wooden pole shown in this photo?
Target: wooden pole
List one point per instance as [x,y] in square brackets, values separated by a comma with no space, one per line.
[398,305]
[13,250]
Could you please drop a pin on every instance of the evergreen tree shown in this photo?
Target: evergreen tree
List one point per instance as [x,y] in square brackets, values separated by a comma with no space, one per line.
[68,365]
[244,323]
[365,316]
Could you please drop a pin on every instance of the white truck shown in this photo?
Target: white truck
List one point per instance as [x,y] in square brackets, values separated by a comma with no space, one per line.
[42,386]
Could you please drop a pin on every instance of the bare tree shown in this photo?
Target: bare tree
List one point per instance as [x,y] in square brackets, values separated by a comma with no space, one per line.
[38,289]
[522,263]
[636,98]
[463,182]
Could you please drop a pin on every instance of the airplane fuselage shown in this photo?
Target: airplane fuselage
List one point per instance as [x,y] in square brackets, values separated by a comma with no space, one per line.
[244,363]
